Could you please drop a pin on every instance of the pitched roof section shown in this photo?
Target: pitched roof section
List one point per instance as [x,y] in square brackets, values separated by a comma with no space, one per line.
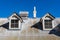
[15,14]
[49,15]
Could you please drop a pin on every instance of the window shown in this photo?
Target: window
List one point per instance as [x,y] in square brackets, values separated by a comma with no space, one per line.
[48,23]
[14,23]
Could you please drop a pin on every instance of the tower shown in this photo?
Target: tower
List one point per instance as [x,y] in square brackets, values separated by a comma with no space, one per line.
[34,12]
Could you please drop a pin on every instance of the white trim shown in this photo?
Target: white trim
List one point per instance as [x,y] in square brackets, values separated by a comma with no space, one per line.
[19,24]
[10,24]
[46,18]
[47,15]
[13,18]
[13,15]
[14,28]
[44,26]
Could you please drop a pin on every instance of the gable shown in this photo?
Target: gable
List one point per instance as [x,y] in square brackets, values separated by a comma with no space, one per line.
[15,16]
[48,16]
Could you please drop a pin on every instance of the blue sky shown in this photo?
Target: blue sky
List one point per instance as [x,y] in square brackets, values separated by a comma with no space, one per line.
[7,7]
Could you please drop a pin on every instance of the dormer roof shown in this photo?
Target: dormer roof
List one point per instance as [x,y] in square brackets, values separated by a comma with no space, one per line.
[16,16]
[49,16]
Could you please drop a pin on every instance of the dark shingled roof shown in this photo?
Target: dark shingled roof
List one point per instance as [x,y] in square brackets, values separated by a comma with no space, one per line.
[51,15]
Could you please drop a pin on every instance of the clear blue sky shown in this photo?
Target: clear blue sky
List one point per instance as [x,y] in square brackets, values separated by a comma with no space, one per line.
[7,7]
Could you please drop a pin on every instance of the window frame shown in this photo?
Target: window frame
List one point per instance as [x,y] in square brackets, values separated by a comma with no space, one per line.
[50,24]
[10,24]
[14,23]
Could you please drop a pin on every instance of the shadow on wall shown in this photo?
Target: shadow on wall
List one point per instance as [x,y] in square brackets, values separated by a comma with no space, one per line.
[56,30]
[37,26]
[6,25]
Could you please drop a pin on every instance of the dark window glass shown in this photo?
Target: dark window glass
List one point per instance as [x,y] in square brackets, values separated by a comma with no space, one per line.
[48,23]
[14,23]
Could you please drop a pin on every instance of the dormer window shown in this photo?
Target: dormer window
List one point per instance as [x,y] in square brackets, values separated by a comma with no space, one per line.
[14,23]
[48,24]
[47,21]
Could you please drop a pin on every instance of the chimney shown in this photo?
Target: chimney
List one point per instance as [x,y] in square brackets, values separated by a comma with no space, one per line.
[24,15]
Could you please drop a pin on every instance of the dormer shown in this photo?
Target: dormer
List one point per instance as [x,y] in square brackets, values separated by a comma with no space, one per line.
[15,21]
[47,21]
